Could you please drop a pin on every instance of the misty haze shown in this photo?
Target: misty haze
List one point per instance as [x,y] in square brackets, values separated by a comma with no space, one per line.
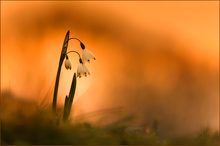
[156,67]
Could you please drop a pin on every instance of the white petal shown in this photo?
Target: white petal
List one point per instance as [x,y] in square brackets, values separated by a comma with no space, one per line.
[87,55]
[82,70]
[79,69]
[86,70]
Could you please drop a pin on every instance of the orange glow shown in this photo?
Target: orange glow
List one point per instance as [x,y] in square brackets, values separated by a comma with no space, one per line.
[162,54]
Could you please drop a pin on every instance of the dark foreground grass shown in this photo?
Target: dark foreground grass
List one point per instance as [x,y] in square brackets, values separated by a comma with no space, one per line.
[24,123]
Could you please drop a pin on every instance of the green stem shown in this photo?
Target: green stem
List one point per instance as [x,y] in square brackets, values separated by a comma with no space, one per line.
[74,52]
[62,57]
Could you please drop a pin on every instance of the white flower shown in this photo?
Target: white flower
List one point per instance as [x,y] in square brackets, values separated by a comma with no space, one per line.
[87,55]
[68,64]
[82,70]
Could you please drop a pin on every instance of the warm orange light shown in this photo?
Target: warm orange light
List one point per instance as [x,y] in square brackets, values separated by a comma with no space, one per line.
[148,53]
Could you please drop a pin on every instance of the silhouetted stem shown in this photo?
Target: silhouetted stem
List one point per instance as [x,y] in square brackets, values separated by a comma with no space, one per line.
[74,52]
[75,39]
[81,43]
[62,57]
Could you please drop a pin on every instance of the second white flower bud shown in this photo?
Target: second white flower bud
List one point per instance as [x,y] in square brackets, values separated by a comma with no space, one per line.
[67,63]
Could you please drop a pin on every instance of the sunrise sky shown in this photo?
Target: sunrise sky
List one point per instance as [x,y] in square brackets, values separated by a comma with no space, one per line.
[151,57]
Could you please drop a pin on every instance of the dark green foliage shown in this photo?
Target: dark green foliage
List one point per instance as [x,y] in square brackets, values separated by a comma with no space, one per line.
[206,137]
[24,123]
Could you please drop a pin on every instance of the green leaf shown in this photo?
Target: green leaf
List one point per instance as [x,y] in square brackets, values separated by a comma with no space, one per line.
[72,92]
[73,88]
[68,105]
[62,57]
[65,43]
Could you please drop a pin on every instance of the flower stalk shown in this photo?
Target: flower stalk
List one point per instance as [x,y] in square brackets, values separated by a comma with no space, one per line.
[82,70]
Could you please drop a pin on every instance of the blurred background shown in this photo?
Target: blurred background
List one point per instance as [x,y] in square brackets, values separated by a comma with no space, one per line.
[155,60]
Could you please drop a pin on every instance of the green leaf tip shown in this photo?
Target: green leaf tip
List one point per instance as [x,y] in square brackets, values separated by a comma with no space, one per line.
[69,100]
[65,43]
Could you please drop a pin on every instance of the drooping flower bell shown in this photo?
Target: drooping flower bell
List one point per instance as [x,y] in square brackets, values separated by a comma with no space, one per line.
[87,55]
[82,70]
[67,63]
